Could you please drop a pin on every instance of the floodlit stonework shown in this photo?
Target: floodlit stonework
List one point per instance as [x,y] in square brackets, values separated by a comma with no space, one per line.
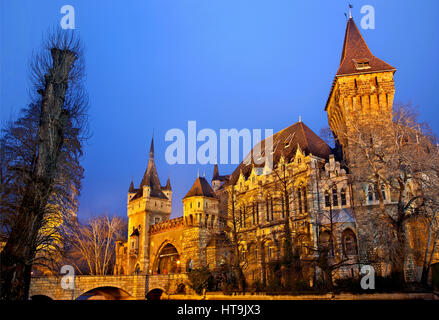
[321,199]
[319,189]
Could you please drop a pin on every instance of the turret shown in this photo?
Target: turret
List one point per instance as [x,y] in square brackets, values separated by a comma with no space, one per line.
[363,87]
[200,205]
[131,191]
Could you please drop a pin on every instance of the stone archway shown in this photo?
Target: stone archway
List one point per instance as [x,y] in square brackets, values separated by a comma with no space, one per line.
[155,294]
[167,260]
[105,293]
[41,298]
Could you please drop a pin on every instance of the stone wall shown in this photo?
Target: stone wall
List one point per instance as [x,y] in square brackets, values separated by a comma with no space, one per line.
[135,286]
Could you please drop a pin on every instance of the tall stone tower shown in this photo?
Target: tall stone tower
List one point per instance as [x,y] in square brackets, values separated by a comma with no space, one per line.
[362,92]
[151,203]
[362,89]
[202,220]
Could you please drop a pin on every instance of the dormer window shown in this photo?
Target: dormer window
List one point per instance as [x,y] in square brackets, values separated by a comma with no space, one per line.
[361,64]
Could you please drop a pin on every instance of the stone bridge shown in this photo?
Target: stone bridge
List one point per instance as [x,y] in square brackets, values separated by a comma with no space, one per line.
[135,287]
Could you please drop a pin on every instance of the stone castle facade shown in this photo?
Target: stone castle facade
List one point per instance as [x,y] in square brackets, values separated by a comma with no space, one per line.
[321,200]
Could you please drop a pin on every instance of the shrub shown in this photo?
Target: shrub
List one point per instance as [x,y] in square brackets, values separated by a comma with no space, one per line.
[200,279]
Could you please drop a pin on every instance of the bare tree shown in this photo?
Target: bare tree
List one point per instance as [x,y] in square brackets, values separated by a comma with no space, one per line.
[330,255]
[401,157]
[234,228]
[93,245]
[40,173]
[284,180]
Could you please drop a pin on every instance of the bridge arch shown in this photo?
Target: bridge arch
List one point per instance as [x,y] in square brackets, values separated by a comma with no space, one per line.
[107,292]
[41,297]
[156,294]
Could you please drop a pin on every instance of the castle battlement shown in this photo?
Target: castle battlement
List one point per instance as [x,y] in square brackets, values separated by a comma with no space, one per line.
[167,225]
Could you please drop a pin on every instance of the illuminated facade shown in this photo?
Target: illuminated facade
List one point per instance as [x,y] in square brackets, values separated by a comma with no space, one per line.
[321,199]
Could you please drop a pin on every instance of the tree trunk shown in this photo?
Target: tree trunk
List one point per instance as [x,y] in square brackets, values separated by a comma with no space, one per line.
[19,251]
[399,256]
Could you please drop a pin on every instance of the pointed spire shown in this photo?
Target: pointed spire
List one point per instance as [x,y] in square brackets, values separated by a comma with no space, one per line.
[168,184]
[131,189]
[300,118]
[350,13]
[356,56]
[151,177]
[215,172]
[151,149]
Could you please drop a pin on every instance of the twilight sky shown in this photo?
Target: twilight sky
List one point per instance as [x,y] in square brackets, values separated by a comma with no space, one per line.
[157,64]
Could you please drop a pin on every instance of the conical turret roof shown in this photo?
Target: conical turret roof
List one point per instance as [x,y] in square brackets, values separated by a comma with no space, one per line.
[201,188]
[355,51]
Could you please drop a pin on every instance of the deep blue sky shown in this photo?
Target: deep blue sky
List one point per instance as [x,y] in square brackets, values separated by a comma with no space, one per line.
[155,64]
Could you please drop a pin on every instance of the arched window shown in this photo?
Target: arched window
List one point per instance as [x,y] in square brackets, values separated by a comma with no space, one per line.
[305,202]
[375,190]
[137,269]
[257,212]
[327,199]
[244,217]
[299,200]
[267,210]
[370,193]
[383,192]
[334,197]
[349,242]
[271,209]
[343,197]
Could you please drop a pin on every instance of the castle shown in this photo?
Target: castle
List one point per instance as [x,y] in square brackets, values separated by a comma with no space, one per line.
[321,198]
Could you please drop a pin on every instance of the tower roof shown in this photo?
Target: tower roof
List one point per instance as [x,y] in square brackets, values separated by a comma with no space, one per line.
[285,144]
[215,172]
[168,185]
[151,177]
[356,52]
[201,188]
[131,189]
[216,175]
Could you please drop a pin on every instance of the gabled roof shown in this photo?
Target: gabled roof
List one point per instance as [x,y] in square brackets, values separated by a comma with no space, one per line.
[200,188]
[285,143]
[356,49]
